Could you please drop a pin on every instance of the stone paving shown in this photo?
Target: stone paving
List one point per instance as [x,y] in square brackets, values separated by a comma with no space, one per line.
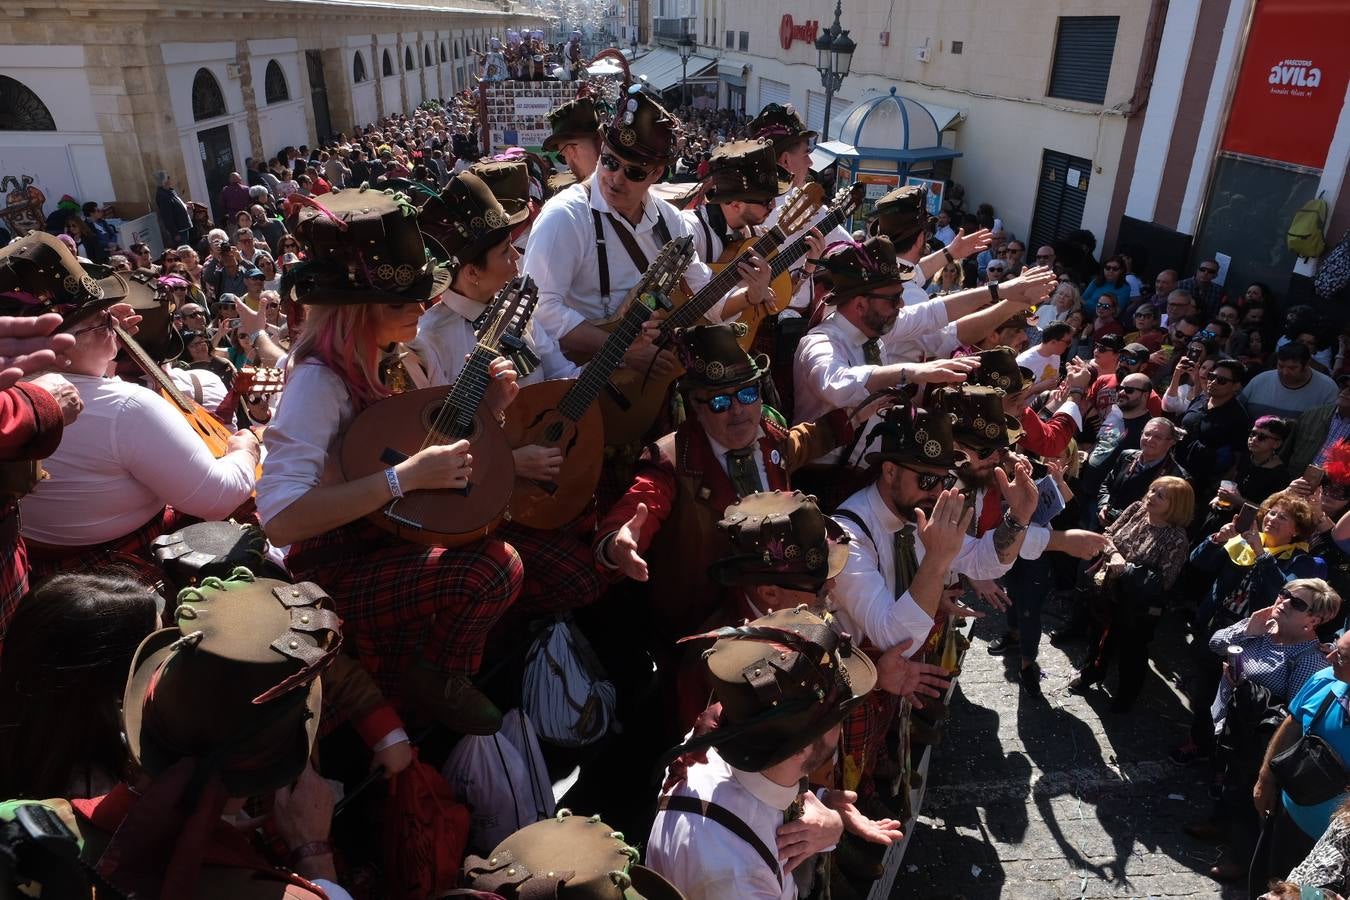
[1062,798]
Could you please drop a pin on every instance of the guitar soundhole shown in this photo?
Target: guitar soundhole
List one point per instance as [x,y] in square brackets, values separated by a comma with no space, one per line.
[437,433]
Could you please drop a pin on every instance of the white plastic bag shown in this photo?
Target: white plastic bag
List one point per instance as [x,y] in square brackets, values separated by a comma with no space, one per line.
[504,793]
[565,691]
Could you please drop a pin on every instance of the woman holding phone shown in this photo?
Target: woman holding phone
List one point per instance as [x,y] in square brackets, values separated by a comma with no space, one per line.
[1251,559]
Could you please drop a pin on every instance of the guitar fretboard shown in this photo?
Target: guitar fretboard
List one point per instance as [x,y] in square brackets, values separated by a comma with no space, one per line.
[784,259]
[152,371]
[699,304]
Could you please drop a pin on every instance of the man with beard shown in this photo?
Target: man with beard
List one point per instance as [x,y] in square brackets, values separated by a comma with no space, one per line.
[718,830]
[742,182]
[1109,368]
[1120,431]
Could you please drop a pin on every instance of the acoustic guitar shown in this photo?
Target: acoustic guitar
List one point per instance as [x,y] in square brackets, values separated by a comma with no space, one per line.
[845,202]
[631,408]
[563,413]
[397,427]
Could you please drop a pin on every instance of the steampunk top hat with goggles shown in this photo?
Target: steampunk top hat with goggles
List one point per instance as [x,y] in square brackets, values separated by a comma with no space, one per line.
[782,539]
[980,420]
[745,170]
[713,358]
[643,131]
[999,369]
[908,434]
[39,274]
[783,681]
[467,218]
[364,247]
[780,124]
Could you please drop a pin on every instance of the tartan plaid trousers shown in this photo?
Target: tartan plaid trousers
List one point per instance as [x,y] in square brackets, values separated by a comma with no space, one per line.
[863,738]
[398,599]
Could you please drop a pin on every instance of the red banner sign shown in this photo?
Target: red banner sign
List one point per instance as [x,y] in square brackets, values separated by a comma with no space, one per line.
[1292,84]
[788,31]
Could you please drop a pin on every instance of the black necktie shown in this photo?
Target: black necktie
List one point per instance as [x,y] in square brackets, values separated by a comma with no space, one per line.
[906,561]
[872,352]
[743,471]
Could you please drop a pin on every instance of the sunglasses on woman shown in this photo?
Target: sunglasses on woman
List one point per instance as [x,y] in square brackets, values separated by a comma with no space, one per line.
[929,480]
[720,403]
[1298,603]
[632,173]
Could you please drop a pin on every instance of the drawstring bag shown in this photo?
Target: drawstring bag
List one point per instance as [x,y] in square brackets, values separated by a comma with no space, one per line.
[503,790]
[425,836]
[565,691]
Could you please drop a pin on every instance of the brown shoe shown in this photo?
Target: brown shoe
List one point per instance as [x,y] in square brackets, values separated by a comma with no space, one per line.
[452,700]
[1207,830]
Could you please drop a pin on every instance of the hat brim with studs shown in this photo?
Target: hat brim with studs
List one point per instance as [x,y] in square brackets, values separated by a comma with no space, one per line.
[856,268]
[781,539]
[1000,369]
[980,420]
[41,276]
[364,247]
[908,434]
[466,218]
[746,171]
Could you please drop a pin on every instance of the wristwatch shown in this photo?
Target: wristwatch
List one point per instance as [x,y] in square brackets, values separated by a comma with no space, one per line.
[254,336]
[993,291]
[948,253]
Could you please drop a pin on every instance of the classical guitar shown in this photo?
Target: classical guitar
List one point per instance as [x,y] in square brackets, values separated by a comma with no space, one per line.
[393,429]
[631,408]
[563,413]
[841,207]
[214,433]
[251,383]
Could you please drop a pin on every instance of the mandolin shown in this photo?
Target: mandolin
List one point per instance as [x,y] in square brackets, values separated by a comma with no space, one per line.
[251,384]
[393,429]
[214,433]
[843,206]
[631,408]
[563,413]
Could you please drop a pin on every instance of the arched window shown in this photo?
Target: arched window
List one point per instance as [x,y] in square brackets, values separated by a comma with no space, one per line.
[358,68]
[387,66]
[426,56]
[207,100]
[21,109]
[274,84]
[408,64]
[457,51]
[443,53]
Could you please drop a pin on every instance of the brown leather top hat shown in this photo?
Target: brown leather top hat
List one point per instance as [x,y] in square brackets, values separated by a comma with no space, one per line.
[206,549]
[713,358]
[576,118]
[901,214]
[999,368]
[907,434]
[569,858]
[235,683]
[364,247]
[643,131]
[780,538]
[783,681]
[980,419]
[780,124]
[858,268]
[509,181]
[39,274]
[467,218]
[745,170]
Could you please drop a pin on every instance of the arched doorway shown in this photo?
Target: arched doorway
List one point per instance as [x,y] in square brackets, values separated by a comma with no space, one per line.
[216,148]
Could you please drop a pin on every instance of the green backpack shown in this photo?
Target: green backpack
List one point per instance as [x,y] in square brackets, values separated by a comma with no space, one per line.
[1305,231]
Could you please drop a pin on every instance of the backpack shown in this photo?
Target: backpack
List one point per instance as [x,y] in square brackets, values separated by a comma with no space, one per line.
[1333,273]
[565,691]
[1305,231]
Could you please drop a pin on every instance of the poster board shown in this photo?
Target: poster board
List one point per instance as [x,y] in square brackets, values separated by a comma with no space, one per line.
[515,113]
[935,189]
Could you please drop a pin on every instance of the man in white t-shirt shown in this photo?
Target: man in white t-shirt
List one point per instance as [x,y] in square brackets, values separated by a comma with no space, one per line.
[1044,359]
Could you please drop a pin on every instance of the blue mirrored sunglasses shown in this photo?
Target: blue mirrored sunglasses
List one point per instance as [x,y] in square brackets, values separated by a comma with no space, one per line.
[720,403]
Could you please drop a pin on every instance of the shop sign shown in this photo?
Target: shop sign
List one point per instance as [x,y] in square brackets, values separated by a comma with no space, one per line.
[935,189]
[1292,84]
[789,31]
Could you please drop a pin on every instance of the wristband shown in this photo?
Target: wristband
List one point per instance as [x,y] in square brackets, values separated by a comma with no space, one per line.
[993,291]
[1011,521]
[313,848]
[947,253]
[602,553]
[394,487]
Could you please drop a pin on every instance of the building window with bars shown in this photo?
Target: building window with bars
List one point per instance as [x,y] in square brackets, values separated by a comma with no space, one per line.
[1084,46]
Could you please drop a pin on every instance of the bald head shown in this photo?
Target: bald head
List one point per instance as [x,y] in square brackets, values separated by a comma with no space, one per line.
[1132,395]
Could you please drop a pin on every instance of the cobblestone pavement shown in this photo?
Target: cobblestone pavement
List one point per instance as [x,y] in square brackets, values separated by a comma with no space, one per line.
[1064,798]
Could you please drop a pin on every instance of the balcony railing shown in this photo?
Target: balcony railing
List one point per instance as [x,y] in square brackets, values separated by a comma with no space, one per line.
[668,30]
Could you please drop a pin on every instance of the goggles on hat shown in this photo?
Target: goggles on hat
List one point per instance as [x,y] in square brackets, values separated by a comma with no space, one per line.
[746,396]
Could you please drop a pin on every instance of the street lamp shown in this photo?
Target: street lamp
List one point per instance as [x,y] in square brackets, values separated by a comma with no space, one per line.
[686,46]
[834,55]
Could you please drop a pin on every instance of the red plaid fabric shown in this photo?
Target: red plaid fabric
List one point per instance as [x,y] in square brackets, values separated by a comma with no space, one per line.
[560,573]
[132,551]
[863,738]
[398,599]
[14,573]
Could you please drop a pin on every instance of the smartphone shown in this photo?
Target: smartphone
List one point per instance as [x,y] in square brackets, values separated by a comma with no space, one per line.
[1194,350]
[1247,518]
[1314,475]
[234,323]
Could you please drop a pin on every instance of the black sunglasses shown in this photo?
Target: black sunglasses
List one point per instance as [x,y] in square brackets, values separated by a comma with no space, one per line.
[1209,271]
[1298,603]
[1130,390]
[632,173]
[929,480]
[1221,379]
[985,452]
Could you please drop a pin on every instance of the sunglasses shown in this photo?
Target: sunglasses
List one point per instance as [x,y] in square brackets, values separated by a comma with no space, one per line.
[1101,305]
[1111,268]
[1130,390]
[1131,360]
[927,481]
[1262,436]
[1221,379]
[632,173]
[1143,315]
[985,452]
[1298,603]
[746,396]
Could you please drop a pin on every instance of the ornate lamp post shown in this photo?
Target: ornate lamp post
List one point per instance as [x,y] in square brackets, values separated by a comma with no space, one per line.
[834,55]
[686,46]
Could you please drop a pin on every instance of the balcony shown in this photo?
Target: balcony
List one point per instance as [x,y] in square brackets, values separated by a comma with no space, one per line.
[669,31]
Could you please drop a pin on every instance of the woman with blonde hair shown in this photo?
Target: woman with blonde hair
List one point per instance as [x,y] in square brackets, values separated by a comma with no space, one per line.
[1148,549]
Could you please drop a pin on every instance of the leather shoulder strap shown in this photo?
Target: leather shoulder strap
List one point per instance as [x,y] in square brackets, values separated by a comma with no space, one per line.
[728,820]
[856,520]
[601,254]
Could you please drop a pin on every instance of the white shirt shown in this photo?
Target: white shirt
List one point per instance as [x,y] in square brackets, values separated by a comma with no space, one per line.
[865,592]
[562,258]
[830,371]
[939,344]
[213,389]
[127,456]
[1043,367]
[946,234]
[445,336]
[314,411]
[704,860]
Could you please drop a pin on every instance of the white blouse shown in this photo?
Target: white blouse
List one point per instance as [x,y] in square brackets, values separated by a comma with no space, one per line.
[315,409]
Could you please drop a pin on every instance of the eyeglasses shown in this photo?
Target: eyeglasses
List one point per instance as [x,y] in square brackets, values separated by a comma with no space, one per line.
[1130,390]
[1143,314]
[1298,603]
[1111,268]
[632,173]
[104,322]
[984,452]
[1206,335]
[893,299]
[1209,271]
[720,403]
[929,480]
[1101,305]
[1131,360]
[1221,379]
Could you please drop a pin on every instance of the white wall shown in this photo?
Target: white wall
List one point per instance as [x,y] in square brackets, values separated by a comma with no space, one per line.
[181,62]
[279,124]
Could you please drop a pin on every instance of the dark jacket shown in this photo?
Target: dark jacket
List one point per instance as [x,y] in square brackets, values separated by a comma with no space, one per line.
[1239,591]
[174,221]
[1310,433]
[1125,484]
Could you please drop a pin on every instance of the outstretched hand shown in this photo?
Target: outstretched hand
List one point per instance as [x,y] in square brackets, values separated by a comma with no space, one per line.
[29,344]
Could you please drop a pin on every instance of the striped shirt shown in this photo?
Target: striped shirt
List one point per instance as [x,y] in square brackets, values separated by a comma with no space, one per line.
[1280,668]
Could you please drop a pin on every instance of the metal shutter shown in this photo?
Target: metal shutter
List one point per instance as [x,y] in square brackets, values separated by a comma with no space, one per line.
[1059,201]
[773,92]
[815,110]
[1083,50]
